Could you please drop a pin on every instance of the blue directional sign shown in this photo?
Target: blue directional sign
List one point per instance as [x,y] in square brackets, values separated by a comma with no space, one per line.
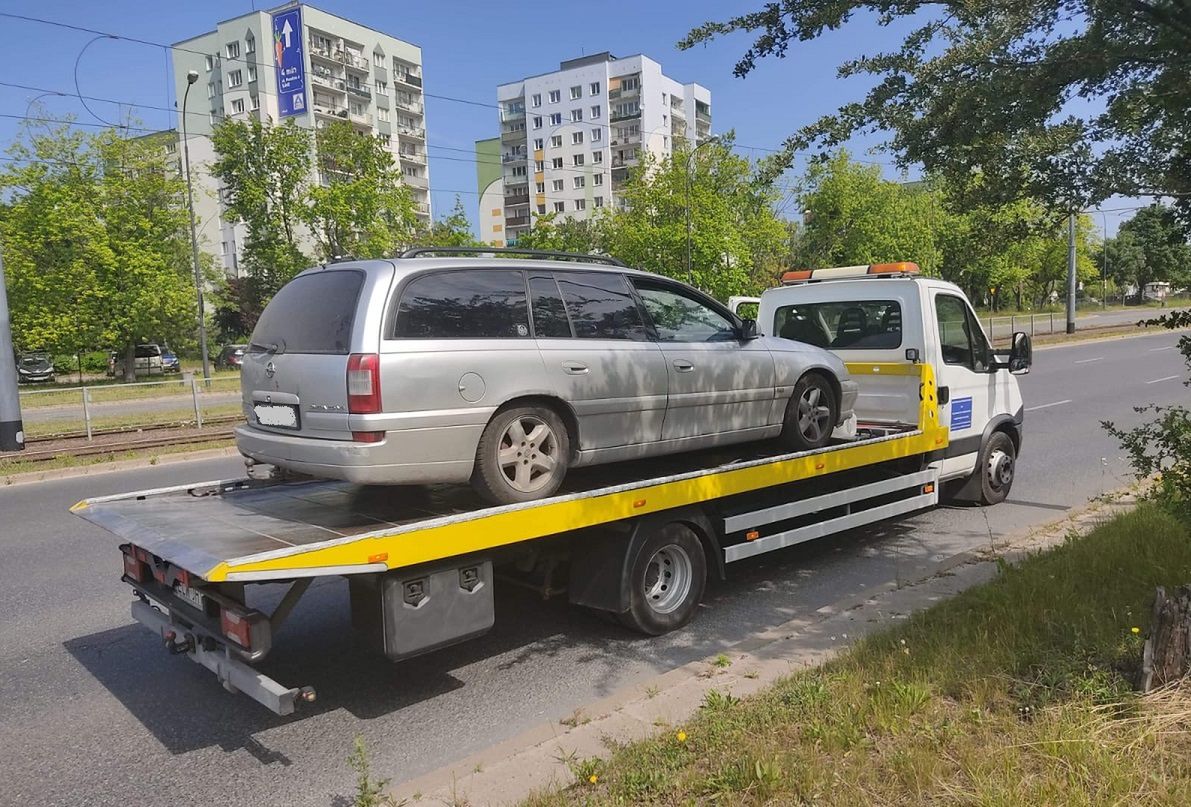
[290,61]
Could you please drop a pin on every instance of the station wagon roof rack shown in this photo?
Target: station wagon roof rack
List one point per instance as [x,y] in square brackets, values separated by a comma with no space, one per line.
[544,254]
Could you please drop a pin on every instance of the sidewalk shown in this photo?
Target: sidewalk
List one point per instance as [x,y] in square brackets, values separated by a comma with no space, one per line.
[511,771]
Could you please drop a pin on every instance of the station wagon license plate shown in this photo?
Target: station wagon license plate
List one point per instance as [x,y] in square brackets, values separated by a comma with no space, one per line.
[282,416]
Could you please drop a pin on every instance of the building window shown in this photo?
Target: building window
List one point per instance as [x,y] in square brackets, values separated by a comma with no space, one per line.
[597,201]
[579,182]
[576,92]
[540,187]
[382,114]
[556,141]
[597,156]
[537,122]
[210,89]
[556,119]
[578,159]
[210,63]
[576,138]
[386,140]
[630,83]
[555,96]
[537,143]
[580,204]
[537,99]
[322,43]
[576,115]
[378,59]
[238,106]
[556,185]
[539,165]
[559,207]
[595,111]
[251,74]
[541,210]
[556,162]
[382,88]
[235,78]
[214,117]
[597,135]
[598,179]
[520,171]
[256,102]
[594,89]
[233,50]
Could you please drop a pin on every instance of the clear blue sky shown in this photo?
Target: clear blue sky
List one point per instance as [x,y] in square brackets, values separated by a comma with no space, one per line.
[467,47]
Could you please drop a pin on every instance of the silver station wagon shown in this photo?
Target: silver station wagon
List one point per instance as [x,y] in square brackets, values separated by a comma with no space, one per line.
[441,366]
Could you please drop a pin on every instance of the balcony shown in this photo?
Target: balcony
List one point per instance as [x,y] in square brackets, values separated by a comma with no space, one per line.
[515,199]
[515,157]
[409,78]
[412,157]
[330,111]
[415,181]
[361,92]
[406,131]
[357,62]
[328,81]
[514,114]
[409,106]
[323,53]
[618,117]
[422,208]
[518,221]
[362,118]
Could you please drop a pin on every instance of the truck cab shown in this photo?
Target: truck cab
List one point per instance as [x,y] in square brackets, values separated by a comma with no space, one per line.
[890,313]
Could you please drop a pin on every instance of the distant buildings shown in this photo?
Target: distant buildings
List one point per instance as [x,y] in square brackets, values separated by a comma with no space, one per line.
[299,62]
[568,138]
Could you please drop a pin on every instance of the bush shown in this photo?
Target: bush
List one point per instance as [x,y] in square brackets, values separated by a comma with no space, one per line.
[95,361]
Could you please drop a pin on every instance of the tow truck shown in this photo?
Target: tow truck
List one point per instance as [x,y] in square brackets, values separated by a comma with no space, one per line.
[939,414]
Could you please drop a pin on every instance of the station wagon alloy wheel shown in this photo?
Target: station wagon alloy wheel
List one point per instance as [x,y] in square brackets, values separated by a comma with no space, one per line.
[814,415]
[528,454]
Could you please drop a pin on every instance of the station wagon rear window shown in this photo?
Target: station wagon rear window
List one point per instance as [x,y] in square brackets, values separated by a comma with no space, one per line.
[850,325]
[311,314]
[483,304]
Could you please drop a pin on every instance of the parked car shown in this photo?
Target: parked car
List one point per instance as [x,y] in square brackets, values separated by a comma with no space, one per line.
[509,372]
[170,362]
[231,357]
[147,360]
[35,367]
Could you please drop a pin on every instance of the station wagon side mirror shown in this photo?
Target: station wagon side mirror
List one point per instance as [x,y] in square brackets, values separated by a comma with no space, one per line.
[1021,354]
[748,329]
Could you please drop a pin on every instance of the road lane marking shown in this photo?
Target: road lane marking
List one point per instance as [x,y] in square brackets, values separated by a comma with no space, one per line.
[1085,361]
[1164,378]
[1156,349]
[1046,406]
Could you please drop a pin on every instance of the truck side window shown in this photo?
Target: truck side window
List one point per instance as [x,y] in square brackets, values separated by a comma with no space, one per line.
[960,337]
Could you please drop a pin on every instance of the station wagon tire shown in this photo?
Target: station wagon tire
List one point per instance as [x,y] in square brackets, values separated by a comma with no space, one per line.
[666,582]
[996,466]
[811,415]
[523,455]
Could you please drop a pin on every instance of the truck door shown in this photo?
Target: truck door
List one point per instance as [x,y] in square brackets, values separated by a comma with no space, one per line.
[966,381]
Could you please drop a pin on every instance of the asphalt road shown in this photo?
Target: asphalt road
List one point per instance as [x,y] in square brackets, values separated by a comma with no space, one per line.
[93,711]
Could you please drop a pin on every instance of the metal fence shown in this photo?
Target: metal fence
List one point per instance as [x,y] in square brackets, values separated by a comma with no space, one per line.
[1033,324]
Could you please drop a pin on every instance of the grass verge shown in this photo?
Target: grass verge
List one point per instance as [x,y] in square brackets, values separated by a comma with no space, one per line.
[1015,692]
[16,466]
[181,416]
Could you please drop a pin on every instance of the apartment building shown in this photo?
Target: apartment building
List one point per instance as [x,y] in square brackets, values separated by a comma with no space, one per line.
[568,138]
[302,63]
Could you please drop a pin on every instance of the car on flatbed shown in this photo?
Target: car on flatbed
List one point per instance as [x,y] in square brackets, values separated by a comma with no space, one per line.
[508,371]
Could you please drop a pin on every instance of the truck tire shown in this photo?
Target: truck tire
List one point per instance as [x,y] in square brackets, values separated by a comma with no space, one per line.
[523,455]
[667,581]
[996,466]
[811,414]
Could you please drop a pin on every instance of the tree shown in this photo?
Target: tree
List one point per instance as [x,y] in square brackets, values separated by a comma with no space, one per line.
[1150,247]
[565,235]
[1062,101]
[454,230]
[96,242]
[265,172]
[737,241]
[359,206]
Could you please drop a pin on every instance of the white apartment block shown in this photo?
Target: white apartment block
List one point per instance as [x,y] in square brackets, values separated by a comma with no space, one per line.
[349,72]
[568,138]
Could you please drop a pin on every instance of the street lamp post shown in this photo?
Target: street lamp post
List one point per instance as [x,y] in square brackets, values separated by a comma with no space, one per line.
[689,157]
[191,78]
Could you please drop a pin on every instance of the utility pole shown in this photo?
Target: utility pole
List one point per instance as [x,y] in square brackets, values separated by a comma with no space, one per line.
[12,433]
[192,77]
[1071,274]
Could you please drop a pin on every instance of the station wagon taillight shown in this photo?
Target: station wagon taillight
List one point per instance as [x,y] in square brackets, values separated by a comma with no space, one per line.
[363,383]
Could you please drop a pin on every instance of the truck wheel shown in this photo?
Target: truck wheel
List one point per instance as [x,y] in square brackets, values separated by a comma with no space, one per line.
[996,466]
[522,456]
[811,414]
[666,581]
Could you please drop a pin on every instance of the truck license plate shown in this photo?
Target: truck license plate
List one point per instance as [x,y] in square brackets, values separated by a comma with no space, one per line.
[190,595]
[282,416]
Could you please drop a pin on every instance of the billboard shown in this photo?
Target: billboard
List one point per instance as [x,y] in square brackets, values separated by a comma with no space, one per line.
[290,60]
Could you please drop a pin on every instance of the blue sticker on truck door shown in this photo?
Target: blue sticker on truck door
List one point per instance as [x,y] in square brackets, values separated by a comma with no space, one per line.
[961,413]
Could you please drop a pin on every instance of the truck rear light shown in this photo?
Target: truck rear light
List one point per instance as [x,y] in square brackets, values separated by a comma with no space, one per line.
[236,627]
[368,437]
[133,567]
[363,383]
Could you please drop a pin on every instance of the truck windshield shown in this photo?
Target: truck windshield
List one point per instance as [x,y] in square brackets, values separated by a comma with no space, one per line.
[311,314]
[851,324]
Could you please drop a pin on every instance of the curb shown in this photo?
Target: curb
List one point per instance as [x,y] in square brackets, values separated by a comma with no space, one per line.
[537,759]
[30,477]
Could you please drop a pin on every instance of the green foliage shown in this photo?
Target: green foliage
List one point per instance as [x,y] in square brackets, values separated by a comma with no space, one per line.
[93,361]
[370,792]
[454,230]
[991,85]
[359,206]
[1149,247]
[96,241]
[566,235]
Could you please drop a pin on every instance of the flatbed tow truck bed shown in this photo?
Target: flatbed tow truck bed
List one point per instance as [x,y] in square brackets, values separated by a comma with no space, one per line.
[419,560]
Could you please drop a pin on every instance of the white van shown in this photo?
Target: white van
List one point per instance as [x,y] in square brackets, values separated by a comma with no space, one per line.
[888,312]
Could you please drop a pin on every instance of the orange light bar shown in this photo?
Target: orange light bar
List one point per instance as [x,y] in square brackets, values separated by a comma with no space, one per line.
[904,267]
[849,272]
[795,276]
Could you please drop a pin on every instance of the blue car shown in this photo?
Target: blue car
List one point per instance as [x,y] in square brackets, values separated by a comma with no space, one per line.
[170,362]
